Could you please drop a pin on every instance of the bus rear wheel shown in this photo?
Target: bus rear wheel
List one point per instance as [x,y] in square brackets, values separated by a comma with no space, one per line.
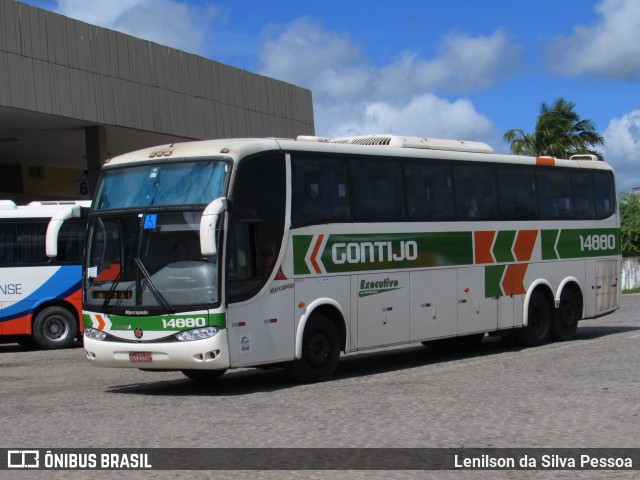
[54,327]
[565,321]
[320,351]
[539,322]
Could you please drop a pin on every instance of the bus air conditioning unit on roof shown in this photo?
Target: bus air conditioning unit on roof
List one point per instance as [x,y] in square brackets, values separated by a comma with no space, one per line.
[416,142]
[584,156]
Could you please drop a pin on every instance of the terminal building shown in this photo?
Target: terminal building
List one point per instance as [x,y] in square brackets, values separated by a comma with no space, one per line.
[74,94]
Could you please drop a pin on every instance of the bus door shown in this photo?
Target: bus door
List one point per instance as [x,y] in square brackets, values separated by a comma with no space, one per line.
[476,312]
[260,313]
[260,327]
[602,291]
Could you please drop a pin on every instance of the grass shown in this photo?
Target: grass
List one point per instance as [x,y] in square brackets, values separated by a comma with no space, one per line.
[632,290]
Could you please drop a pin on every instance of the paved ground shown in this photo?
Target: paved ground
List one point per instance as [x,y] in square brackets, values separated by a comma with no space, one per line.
[580,394]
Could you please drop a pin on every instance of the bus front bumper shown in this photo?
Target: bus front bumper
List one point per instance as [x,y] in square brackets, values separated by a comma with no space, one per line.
[208,354]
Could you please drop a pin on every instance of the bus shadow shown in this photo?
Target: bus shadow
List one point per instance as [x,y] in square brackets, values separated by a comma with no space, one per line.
[590,333]
[249,381]
[233,383]
[14,348]
[9,346]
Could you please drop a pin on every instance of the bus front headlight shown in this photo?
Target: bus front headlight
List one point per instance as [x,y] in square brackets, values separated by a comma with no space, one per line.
[197,334]
[94,334]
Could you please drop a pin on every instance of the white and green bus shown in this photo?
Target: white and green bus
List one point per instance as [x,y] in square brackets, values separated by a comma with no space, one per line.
[205,256]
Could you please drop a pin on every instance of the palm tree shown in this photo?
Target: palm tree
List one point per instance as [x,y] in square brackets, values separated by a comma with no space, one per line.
[560,132]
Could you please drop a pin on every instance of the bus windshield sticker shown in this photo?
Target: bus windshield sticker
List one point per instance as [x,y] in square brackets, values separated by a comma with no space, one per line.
[150,221]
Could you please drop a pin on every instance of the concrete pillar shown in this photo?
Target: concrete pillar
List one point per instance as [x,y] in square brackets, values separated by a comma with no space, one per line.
[96,146]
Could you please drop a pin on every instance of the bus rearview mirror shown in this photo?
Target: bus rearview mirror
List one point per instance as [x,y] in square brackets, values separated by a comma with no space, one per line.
[208,222]
[51,239]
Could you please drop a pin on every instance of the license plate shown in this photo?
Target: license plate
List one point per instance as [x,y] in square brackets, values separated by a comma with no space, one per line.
[138,357]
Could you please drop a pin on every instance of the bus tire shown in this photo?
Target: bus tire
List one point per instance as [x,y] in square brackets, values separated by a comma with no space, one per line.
[539,324]
[54,327]
[203,375]
[320,352]
[565,322]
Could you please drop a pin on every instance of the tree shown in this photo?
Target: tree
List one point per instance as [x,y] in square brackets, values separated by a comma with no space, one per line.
[630,224]
[559,132]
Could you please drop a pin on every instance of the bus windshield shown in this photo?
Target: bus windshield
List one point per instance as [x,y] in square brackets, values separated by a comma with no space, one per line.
[178,183]
[149,260]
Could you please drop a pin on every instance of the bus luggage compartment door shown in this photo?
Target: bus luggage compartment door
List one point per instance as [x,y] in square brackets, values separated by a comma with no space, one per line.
[383,309]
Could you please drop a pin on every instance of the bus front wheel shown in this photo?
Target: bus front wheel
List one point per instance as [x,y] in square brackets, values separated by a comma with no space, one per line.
[539,322]
[54,327]
[320,351]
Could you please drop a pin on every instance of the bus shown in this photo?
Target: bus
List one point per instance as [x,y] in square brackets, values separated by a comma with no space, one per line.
[41,246]
[209,255]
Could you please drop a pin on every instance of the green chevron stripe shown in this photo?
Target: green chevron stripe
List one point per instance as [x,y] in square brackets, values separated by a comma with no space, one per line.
[301,245]
[548,239]
[580,243]
[502,248]
[492,280]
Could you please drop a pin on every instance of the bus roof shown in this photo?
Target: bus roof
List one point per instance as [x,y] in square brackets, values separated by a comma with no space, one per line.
[373,145]
[43,209]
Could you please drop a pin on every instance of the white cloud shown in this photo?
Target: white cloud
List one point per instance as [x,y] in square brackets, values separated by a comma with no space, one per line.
[423,115]
[97,13]
[622,149]
[167,22]
[610,48]
[465,63]
[307,55]
[351,96]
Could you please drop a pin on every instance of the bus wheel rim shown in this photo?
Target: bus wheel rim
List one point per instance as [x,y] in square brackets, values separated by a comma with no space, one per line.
[318,349]
[55,328]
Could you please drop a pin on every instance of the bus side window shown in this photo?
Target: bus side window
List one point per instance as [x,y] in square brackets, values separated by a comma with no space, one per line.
[428,191]
[377,190]
[475,192]
[70,242]
[554,194]
[583,195]
[517,193]
[242,257]
[7,243]
[30,243]
[605,194]
[319,190]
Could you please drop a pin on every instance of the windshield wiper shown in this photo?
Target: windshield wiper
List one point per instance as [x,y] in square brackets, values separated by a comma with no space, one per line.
[156,293]
[114,285]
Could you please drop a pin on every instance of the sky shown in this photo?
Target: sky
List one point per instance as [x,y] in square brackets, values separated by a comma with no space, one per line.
[463,69]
